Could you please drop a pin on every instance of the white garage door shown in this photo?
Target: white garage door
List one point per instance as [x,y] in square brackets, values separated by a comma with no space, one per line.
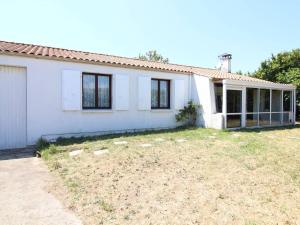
[12,107]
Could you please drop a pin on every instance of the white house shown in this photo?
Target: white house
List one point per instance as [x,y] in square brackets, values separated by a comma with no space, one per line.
[51,92]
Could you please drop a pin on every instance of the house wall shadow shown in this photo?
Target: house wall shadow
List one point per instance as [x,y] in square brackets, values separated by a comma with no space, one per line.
[10,154]
[79,140]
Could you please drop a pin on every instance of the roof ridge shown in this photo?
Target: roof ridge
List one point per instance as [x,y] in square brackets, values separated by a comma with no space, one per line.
[12,47]
[110,55]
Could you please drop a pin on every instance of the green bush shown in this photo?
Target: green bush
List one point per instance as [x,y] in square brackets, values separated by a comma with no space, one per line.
[188,114]
[42,144]
[45,149]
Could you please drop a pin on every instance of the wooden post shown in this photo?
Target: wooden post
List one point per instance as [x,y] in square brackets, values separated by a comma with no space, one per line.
[270,107]
[244,100]
[224,103]
[295,106]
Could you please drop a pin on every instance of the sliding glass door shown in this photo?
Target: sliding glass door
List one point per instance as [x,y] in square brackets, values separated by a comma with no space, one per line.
[276,108]
[287,107]
[234,108]
[252,96]
[264,107]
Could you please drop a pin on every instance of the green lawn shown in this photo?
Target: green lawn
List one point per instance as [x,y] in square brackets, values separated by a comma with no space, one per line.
[192,176]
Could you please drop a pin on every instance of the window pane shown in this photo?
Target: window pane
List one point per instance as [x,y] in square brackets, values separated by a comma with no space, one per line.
[103,92]
[276,118]
[219,95]
[234,101]
[164,94]
[287,101]
[233,121]
[264,119]
[276,101]
[252,100]
[88,85]
[154,93]
[252,120]
[264,105]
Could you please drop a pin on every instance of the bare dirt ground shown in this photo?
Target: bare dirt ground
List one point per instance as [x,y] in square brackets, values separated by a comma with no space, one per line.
[196,176]
[24,196]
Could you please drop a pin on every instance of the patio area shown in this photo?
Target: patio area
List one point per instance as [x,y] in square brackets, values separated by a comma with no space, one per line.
[252,105]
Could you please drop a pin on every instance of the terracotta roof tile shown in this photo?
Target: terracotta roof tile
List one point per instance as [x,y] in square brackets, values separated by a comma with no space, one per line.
[66,54]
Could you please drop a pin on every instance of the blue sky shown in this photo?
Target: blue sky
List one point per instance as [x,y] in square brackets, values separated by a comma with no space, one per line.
[187,31]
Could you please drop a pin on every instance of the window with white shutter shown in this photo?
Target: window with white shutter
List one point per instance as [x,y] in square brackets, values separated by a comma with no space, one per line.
[144,93]
[179,94]
[122,92]
[71,90]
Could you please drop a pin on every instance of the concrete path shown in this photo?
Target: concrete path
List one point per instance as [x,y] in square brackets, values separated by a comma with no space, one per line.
[24,199]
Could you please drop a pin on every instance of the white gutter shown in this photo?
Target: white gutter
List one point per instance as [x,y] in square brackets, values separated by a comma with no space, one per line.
[190,87]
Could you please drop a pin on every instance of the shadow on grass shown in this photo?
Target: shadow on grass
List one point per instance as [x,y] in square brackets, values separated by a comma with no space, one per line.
[266,129]
[16,153]
[41,145]
[79,140]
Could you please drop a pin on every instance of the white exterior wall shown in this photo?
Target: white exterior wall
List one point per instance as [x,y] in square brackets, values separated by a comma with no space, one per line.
[203,95]
[45,115]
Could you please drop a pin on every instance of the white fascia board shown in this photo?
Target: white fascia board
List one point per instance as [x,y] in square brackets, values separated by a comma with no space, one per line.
[260,84]
[254,83]
[203,75]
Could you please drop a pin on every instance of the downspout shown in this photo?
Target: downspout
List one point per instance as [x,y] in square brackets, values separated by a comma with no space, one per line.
[213,107]
[190,87]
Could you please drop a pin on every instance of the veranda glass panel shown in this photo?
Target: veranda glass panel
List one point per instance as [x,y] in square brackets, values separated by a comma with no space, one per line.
[252,100]
[234,101]
[233,121]
[154,93]
[287,118]
[251,120]
[287,101]
[276,118]
[103,92]
[164,96]
[88,84]
[264,105]
[276,101]
[264,119]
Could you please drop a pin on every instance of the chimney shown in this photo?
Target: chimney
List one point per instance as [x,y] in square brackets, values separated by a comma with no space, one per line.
[225,62]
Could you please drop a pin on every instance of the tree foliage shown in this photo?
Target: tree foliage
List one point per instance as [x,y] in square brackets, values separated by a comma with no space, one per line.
[282,68]
[239,72]
[152,55]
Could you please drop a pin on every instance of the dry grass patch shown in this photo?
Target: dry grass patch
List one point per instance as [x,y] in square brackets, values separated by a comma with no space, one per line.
[241,177]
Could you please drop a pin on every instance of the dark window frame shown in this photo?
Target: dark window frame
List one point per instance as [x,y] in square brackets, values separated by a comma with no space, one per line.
[218,98]
[234,104]
[158,98]
[96,75]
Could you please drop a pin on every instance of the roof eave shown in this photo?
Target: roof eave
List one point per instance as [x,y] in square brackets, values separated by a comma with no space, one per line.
[119,65]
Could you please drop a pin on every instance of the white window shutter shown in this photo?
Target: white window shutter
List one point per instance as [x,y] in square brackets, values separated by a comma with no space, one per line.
[71,89]
[144,93]
[179,94]
[122,92]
